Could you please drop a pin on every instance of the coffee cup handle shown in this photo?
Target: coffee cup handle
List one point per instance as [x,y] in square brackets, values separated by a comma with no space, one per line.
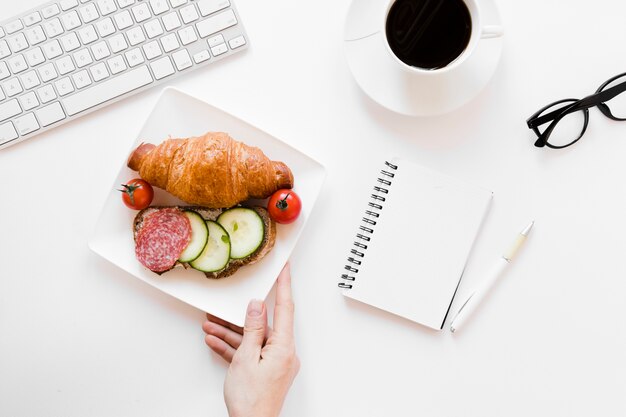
[491,31]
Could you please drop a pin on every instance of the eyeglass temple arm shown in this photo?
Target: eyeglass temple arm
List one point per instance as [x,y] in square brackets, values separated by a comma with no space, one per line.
[585,103]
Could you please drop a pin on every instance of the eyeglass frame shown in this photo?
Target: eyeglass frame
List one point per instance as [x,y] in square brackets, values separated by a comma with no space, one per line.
[597,99]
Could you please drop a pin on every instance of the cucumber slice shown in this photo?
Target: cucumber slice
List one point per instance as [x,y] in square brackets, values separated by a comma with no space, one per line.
[245,228]
[199,236]
[216,253]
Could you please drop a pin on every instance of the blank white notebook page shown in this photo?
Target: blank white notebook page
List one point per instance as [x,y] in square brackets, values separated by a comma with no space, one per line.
[418,248]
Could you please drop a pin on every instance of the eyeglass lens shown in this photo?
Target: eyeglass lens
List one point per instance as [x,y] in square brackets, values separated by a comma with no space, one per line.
[568,130]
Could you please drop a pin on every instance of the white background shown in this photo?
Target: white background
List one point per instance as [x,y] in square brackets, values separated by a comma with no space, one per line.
[79,337]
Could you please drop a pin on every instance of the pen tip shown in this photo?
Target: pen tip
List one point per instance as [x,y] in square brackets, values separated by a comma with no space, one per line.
[527,229]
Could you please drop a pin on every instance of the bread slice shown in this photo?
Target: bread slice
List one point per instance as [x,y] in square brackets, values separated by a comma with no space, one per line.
[233,265]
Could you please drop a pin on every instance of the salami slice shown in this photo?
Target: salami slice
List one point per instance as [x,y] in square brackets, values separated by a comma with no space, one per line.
[164,236]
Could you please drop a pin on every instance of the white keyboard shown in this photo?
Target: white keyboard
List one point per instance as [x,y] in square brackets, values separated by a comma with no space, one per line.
[67,58]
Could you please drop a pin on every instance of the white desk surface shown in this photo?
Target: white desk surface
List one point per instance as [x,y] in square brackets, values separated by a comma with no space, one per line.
[79,337]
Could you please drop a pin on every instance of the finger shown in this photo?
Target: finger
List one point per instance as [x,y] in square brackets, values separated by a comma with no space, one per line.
[253,331]
[220,347]
[224,333]
[284,309]
[224,323]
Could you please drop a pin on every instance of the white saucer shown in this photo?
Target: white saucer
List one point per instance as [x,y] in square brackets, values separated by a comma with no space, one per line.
[414,94]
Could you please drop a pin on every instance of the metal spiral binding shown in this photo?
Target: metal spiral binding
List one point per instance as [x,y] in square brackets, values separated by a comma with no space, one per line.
[366,228]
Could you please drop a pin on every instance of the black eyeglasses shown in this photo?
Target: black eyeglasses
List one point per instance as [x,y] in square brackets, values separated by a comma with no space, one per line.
[567,119]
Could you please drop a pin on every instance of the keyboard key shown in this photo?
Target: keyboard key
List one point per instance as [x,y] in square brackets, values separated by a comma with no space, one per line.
[52,49]
[211,6]
[11,87]
[29,101]
[135,36]
[187,35]
[64,86]
[100,51]
[237,42]
[49,11]
[201,56]
[29,80]
[125,3]
[4,49]
[153,28]
[141,13]
[162,67]
[169,43]
[176,3]
[107,90]
[116,64]
[215,40]
[159,6]
[105,27]
[53,27]
[88,35]
[70,42]
[68,4]
[7,133]
[9,109]
[82,58]
[34,56]
[65,65]
[70,20]
[50,114]
[117,43]
[2,96]
[35,35]
[216,23]
[123,20]
[26,124]
[88,13]
[46,93]
[13,26]
[182,60]
[2,33]
[106,7]
[99,72]
[81,79]
[152,50]
[189,13]
[18,43]
[171,21]
[219,49]
[18,64]
[32,18]
[47,72]
[4,70]
[134,57]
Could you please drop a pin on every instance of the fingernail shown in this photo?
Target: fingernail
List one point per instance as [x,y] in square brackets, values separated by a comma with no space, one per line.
[255,308]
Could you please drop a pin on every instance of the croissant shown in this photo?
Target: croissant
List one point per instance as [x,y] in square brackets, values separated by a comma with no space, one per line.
[213,170]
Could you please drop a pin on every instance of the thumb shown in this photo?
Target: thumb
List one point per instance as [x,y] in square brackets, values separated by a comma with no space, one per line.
[254,330]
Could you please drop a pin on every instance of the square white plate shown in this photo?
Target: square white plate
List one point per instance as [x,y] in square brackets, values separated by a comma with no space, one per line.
[177,114]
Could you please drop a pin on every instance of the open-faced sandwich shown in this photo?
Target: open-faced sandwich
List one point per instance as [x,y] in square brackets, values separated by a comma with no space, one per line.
[215,241]
[214,173]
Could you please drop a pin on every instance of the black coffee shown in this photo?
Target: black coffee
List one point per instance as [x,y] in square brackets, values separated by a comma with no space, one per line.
[428,33]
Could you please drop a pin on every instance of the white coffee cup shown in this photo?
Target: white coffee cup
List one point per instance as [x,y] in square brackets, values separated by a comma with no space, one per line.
[479,31]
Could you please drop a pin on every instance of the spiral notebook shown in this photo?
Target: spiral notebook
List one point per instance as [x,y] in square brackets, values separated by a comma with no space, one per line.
[413,241]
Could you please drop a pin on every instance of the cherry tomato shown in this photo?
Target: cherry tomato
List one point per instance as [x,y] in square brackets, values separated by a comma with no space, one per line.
[284,206]
[137,194]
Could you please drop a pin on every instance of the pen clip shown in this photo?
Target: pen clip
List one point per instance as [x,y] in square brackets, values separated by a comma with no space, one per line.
[464,304]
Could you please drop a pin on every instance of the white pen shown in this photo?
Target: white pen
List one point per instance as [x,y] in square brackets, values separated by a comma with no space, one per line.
[475,297]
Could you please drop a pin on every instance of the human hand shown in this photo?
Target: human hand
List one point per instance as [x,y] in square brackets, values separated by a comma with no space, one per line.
[261,369]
